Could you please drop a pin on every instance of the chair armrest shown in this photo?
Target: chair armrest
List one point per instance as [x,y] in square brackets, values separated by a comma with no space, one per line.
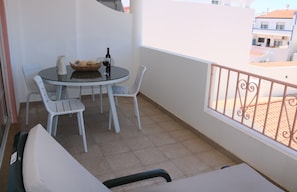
[15,180]
[137,177]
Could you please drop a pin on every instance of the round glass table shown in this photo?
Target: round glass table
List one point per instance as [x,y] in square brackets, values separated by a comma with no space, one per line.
[88,78]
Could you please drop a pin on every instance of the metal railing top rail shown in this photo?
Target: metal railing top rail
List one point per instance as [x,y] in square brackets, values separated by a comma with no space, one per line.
[251,74]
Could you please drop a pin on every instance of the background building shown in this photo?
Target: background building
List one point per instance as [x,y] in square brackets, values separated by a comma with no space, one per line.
[274,36]
[274,29]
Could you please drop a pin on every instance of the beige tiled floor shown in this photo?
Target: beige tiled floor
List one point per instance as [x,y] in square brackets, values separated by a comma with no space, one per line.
[163,142]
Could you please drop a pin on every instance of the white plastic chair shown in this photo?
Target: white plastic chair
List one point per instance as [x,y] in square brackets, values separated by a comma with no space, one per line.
[29,72]
[61,107]
[132,91]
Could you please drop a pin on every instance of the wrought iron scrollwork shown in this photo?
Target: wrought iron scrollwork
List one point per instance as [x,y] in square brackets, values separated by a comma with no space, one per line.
[250,88]
[290,133]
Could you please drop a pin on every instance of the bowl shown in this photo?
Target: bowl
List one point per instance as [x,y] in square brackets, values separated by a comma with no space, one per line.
[77,66]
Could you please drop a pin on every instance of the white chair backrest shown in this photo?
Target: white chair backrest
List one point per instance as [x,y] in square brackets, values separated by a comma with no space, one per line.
[29,72]
[49,104]
[47,166]
[137,83]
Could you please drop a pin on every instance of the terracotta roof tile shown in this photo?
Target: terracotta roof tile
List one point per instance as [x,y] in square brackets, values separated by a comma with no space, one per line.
[282,14]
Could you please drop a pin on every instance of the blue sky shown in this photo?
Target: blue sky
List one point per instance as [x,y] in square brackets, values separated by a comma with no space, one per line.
[262,5]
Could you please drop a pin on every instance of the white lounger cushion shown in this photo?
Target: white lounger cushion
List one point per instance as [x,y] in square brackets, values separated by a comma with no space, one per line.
[238,178]
[48,167]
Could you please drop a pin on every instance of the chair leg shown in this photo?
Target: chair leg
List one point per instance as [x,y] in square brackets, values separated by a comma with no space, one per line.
[137,111]
[116,101]
[49,124]
[80,91]
[110,118]
[65,93]
[27,108]
[101,102]
[93,96]
[55,125]
[81,126]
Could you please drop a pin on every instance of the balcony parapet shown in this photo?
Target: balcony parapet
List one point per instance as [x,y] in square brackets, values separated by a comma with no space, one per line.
[262,104]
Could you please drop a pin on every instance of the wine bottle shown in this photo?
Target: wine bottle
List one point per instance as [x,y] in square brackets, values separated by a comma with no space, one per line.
[107,53]
[108,59]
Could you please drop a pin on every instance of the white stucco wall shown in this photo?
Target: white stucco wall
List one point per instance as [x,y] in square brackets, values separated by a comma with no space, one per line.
[180,84]
[39,31]
[293,45]
[221,34]
[182,90]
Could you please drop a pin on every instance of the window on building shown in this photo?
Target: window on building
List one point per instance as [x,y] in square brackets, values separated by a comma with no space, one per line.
[278,43]
[216,2]
[280,26]
[261,40]
[264,25]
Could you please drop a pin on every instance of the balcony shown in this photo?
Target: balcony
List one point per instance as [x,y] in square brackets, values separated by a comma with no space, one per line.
[172,138]
[179,60]
[191,82]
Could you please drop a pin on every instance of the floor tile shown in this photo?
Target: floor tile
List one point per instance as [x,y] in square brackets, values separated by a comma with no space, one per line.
[215,159]
[197,145]
[160,139]
[171,125]
[190,165]
[173,151]
[150,156]
[162,143]
[114,147]
[120,162]
[139,142]
[182,134]
[170,167]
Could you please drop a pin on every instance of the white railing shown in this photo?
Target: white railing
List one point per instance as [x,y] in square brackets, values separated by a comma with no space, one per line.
[262,104]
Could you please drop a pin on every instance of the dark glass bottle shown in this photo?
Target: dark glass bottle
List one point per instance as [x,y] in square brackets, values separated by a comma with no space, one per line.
[108,62]
[107,53]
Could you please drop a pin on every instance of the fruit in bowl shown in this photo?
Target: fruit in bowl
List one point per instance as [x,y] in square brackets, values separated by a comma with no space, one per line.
[83,65]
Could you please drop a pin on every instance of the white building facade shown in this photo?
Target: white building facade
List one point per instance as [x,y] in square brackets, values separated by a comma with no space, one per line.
[274,29]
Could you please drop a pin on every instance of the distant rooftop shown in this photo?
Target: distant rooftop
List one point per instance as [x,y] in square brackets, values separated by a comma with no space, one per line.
[281,14]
